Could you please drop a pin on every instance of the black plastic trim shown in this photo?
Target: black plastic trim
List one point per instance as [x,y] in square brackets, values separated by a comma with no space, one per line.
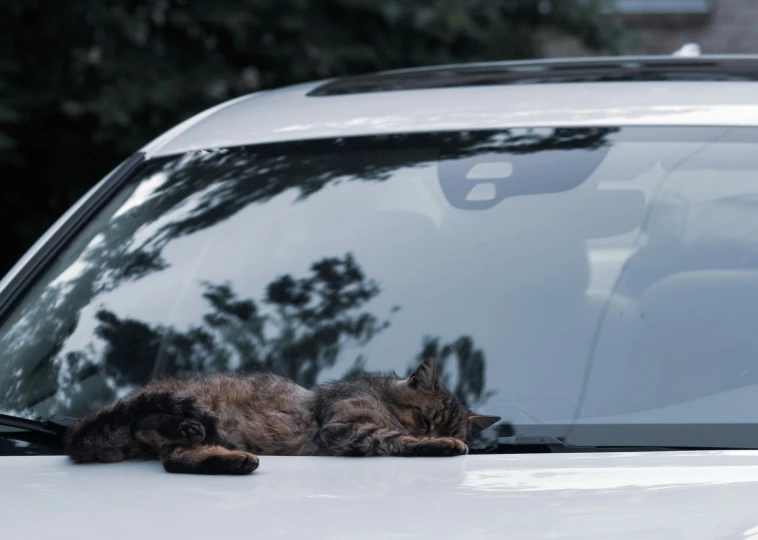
[620,69]
[48,251]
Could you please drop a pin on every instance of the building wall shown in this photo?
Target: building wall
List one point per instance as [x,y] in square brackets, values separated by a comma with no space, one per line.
[732,28]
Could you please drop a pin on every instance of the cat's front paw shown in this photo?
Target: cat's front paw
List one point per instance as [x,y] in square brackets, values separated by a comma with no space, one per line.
[190,432]
[439,447]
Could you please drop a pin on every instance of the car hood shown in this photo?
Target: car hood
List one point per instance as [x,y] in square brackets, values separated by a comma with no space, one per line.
[621,495]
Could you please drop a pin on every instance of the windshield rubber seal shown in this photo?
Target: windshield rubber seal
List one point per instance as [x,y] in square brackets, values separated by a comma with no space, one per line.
[42,258]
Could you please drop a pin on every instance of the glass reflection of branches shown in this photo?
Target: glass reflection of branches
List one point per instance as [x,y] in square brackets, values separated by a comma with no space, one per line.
[297,328]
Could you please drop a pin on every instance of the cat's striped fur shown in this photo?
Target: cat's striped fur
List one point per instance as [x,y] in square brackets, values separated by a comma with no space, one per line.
[217,423]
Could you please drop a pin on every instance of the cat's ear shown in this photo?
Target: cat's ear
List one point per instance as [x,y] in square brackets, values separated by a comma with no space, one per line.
[425,375]
[480,422]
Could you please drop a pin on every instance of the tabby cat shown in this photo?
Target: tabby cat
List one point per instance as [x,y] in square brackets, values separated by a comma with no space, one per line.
[217,423]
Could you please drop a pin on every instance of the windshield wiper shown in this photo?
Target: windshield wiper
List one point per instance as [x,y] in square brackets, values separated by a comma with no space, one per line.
[55,425]
[567,438]
[543,444]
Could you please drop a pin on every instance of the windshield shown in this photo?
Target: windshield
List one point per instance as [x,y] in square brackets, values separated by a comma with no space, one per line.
[601,276]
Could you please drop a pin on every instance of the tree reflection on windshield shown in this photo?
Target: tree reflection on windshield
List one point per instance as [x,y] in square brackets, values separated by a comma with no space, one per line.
[297,329]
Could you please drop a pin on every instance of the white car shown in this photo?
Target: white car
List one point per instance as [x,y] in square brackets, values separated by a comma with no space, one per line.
[576,241]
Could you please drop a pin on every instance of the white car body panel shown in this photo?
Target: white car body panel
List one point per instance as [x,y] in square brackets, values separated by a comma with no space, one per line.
[687,495]
[288,114]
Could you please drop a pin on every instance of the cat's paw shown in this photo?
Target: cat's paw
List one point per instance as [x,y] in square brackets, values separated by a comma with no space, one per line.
[452,447]
[439,447]
[110,454]
[240,463]
[190,432]
[210,460]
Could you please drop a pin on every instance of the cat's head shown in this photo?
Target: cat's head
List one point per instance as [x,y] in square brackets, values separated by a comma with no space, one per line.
[426,408]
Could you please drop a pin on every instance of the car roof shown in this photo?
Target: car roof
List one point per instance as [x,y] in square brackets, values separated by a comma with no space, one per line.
[615,91]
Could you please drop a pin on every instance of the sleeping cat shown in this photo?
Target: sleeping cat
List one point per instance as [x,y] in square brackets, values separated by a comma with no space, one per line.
[215,424]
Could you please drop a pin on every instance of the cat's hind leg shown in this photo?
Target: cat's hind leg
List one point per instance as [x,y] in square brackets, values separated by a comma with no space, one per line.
[209,460]
[160,430]
[141,426]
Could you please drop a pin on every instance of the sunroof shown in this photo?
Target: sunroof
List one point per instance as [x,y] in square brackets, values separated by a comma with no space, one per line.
[546,72]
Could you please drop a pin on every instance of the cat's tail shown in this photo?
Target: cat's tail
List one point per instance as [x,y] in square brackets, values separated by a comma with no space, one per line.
[109,433]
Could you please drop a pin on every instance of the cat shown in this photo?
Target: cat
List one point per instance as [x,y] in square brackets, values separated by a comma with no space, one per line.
[217,423]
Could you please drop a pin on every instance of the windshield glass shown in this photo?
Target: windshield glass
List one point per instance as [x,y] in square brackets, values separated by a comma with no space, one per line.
[560,276]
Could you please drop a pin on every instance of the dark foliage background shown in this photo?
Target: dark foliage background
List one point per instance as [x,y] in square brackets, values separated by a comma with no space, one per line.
[83,83]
